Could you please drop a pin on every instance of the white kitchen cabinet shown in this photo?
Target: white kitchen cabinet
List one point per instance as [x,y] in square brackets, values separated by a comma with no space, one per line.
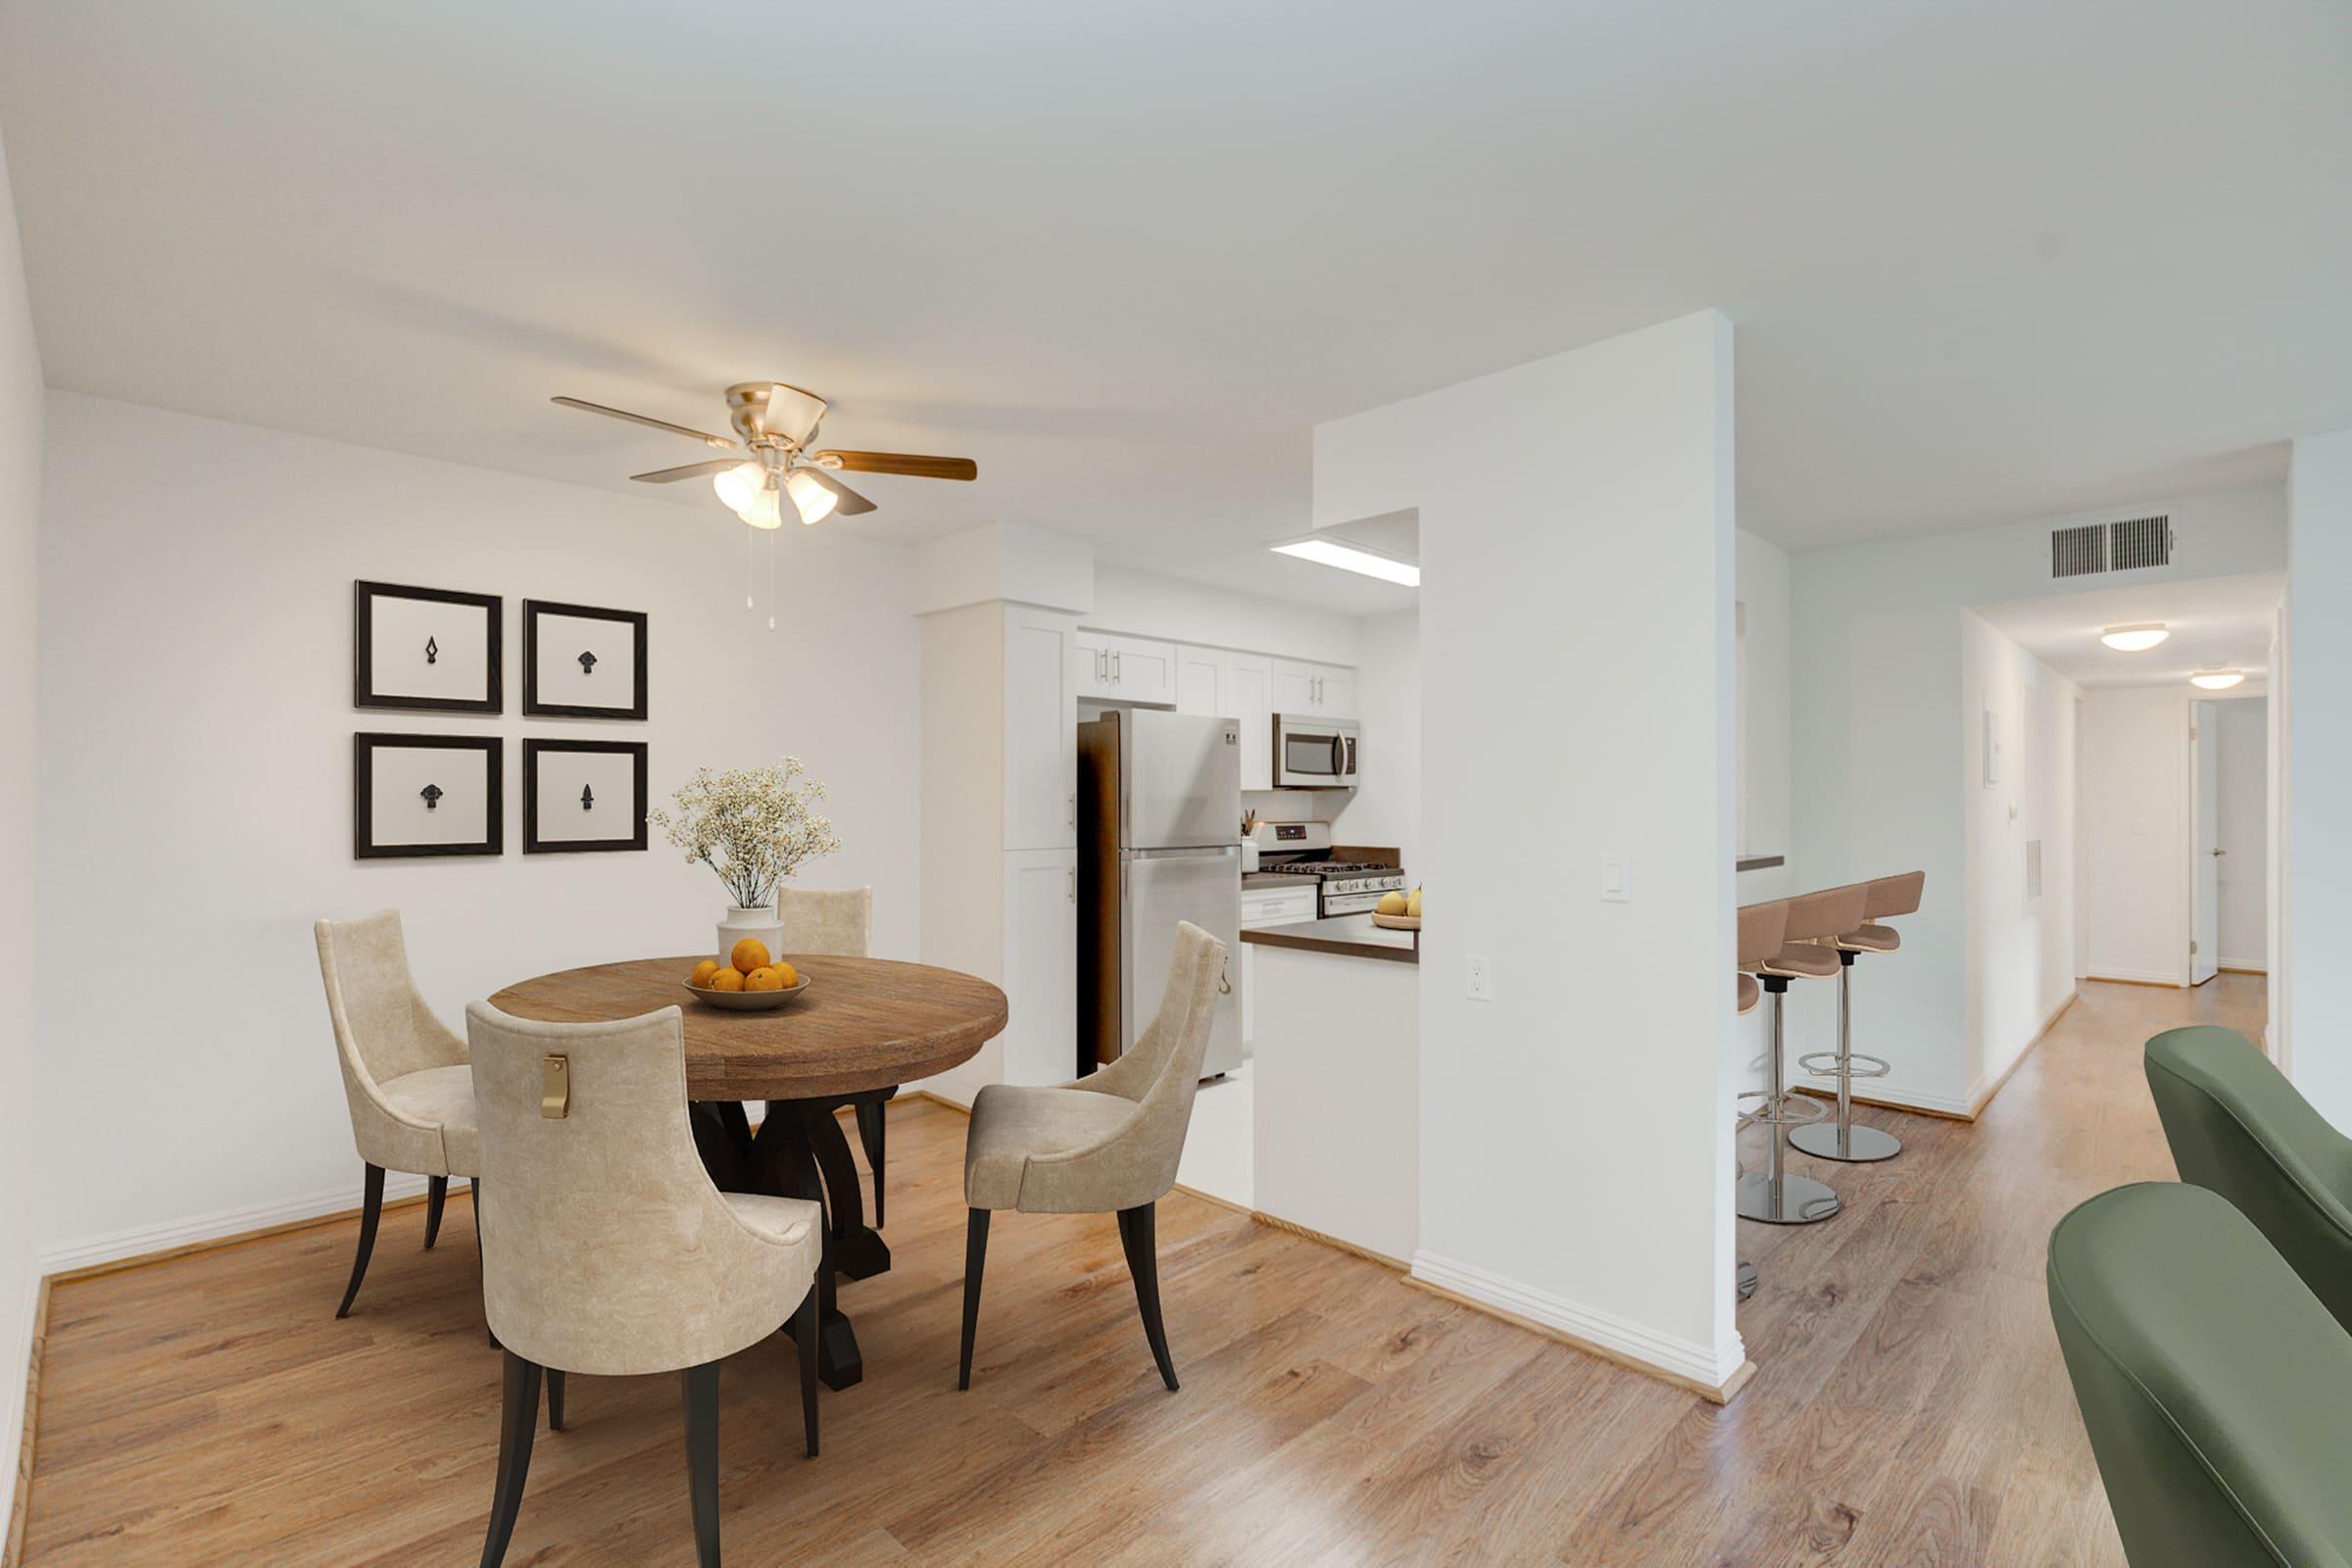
[1327,690]
[1041,762]
[1249,698]
[1126,669]
[1249,995]
[1041,966]
[1201,681]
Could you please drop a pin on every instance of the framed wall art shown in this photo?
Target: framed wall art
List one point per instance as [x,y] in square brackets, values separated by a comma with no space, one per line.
[418,795]
[426,649]
[582,663]
[582,795]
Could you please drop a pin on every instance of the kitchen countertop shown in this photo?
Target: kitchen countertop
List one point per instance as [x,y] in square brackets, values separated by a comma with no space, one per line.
[1353,935]
[1758,862]
[1274,879]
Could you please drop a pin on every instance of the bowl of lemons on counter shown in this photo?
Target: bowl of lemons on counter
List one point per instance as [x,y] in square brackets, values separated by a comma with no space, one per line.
[750,981]
[1398,912]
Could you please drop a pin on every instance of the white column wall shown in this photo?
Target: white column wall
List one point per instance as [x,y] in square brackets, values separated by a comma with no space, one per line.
[1576,648]
[2316,919]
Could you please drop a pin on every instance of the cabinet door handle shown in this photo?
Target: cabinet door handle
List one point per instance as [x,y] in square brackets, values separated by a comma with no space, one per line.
[1115,676]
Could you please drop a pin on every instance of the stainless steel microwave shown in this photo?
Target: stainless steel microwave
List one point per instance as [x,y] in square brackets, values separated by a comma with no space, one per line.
[1311,753]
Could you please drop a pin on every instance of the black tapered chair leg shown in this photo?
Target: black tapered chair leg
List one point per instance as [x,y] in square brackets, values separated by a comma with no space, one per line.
[555,1399]
[1137,1236]
[518,1418]
[702,1455]
[803,1335]
[738,1123]
[371,1208]
[436,1193]
[872,1133]
[975,1258]
[477,1253]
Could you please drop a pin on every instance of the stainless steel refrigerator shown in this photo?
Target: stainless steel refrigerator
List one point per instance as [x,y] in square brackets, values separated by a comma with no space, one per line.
[1160,841]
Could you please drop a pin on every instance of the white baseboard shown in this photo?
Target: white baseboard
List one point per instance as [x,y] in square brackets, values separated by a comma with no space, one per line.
[2137,977]
[1889,1092]
[1699,1365]
[17,1369]
[116,1245]
[2260,965]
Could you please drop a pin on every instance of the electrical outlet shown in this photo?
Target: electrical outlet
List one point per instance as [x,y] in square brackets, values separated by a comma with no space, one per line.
[1482,978]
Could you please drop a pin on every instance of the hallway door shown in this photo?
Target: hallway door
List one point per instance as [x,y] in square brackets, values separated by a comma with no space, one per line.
[2205,846]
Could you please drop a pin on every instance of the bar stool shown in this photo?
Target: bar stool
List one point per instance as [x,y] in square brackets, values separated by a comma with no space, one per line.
[1844,1139]
[1763,930]
[1772,1194]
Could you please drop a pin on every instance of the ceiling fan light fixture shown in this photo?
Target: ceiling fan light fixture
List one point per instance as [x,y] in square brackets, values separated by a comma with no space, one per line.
[2217,680]
[2136,639]
[763,511]
[792,413]
[738,485]
[810,499]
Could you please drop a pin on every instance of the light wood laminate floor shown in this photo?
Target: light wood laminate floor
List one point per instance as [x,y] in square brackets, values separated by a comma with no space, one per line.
[1911,1406]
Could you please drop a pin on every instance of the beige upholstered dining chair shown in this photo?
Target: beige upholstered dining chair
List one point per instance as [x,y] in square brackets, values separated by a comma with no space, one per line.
[1107,1144]
[404,1075]
[606,1248]
[826,921]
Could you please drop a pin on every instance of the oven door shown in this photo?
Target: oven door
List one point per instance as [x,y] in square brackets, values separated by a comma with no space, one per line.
[1314,754]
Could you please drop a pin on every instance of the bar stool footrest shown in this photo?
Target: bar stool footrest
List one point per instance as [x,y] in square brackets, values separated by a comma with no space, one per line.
[1856,1064]
[1795,1110]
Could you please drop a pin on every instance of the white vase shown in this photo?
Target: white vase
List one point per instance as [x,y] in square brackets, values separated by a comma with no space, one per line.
[760,924]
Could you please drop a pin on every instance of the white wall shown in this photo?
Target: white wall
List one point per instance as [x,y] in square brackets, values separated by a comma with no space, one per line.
[1585,519]
[20,418]
[195,733]
[1878,754]
[1386,808]
[2242,731]
[2019,948]
[2135,834]
[2315,927]
[1145,603]
[1765,694]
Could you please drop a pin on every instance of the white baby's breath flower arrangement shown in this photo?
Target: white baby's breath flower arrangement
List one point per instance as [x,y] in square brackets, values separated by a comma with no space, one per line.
[751,826]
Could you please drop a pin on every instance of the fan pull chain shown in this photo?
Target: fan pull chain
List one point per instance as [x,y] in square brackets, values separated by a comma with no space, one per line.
[771,579]
[751,563]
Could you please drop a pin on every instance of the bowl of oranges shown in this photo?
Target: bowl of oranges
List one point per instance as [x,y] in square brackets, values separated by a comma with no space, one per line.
[750,981]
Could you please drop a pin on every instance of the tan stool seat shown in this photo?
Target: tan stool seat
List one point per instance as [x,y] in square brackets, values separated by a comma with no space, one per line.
[1747,992]
[1871,939]
[1807,960]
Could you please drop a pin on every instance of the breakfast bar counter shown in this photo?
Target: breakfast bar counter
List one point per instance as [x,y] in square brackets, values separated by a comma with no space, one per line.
[1353,935]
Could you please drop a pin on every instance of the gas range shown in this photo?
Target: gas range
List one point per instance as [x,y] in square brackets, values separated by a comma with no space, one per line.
[1348,887]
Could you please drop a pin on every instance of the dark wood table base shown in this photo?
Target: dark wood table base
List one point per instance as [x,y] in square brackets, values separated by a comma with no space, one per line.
[801,1152]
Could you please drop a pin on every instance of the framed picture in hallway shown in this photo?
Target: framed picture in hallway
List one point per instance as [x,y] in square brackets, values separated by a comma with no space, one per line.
[579,662]
[421,795]
[428,649]
[582,795]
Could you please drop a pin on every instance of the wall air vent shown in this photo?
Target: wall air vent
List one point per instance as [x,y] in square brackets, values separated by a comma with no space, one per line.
[2140,542]
[2079,552]
[2033,868]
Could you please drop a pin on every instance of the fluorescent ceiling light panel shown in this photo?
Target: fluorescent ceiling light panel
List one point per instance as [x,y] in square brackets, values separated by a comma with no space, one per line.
[2135,639]
[1349,558]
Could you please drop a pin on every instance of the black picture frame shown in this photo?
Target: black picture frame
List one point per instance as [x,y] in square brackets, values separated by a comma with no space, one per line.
[532,705]
[364,594]
[535,747]
[363,746]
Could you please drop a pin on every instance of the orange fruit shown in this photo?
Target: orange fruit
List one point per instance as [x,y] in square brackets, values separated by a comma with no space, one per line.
[726,980]
[762,979]
[703,972]
[749,954]
[786,975]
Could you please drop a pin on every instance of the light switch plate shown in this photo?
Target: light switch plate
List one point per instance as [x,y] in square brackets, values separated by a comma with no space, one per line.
[1482,978]
[1616,879]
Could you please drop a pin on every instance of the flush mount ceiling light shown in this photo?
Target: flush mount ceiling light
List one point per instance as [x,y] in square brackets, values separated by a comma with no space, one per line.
[2217,680]
[2136,639]
[776,426]
[1351,557]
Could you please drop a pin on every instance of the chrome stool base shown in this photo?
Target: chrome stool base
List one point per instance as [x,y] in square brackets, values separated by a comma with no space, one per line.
[1790,1201]
[1854,1142]
[1747,1279]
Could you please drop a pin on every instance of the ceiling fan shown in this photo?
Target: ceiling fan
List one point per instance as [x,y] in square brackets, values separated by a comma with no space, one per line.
[775,425]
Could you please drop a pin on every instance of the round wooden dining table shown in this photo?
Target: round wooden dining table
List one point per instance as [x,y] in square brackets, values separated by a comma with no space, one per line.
[862,1028]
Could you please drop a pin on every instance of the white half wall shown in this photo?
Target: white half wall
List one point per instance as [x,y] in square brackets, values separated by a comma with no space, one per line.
[1585,519]
[2315,919]
[1881,756]
[195,744]
[2243,735]
[2020,948]
[21,420]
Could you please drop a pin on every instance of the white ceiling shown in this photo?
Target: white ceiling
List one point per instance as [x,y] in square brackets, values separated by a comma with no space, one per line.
[1987,262]
[2216,623]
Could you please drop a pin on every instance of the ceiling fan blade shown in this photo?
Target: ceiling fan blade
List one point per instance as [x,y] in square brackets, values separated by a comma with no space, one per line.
[849,503]
[688,470]
[646,419]
[905,462]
